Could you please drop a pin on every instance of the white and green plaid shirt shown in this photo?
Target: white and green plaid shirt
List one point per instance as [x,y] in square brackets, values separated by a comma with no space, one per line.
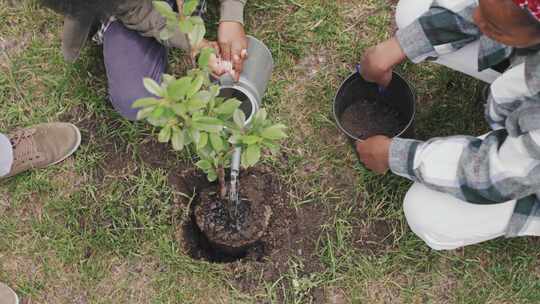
[504,165]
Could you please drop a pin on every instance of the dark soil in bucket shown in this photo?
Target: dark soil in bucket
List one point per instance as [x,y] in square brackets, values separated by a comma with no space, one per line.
[229,228]
[366,118]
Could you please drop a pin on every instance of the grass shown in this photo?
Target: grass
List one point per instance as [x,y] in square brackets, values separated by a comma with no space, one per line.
[102,227]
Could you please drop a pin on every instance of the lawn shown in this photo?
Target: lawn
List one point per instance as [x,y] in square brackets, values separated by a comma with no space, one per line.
[109,224]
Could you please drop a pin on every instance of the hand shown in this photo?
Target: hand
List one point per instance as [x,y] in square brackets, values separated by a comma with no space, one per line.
[374,153]
[217,66]
[233,45]
[378,61]
[195,50]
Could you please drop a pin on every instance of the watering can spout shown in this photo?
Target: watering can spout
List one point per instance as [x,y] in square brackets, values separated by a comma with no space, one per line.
[235,172]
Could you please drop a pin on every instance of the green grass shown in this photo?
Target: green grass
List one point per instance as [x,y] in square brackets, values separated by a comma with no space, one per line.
[83,232]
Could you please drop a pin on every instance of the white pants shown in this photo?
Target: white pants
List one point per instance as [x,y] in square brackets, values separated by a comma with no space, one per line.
[6,155]
[441,220]
[445,222]
[464,60]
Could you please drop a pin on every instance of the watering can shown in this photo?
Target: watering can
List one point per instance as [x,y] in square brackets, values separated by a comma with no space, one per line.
[249,90]
[253,81]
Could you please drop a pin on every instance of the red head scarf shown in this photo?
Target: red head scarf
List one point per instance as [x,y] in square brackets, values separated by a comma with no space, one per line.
[533,6]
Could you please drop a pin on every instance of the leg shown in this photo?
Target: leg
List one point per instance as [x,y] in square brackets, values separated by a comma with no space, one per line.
[130,57]
[6,155]
[445,223]
[464,60]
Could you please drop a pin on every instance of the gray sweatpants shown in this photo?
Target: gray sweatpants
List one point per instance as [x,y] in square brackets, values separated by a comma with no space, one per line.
[6,155]
[130,57]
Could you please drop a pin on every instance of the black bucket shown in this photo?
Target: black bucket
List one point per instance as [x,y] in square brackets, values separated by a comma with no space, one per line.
[398,95]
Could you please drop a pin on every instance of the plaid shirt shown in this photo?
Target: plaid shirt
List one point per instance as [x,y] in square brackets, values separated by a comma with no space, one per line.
[505,164]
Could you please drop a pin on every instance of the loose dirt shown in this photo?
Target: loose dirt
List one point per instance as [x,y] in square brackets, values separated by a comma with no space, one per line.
[233,228]
[365,118]
[291,232]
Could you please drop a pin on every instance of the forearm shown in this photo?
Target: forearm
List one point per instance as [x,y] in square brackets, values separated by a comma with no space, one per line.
[495,169]
[141,16]
[437,32]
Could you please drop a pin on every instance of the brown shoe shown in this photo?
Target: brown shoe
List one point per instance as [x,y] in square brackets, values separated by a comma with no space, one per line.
[43,145]
[7,295]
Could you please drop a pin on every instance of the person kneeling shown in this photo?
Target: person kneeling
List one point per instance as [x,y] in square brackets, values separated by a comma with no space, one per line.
[468,189]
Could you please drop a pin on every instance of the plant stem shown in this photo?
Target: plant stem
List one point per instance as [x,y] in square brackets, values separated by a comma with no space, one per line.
[222,185]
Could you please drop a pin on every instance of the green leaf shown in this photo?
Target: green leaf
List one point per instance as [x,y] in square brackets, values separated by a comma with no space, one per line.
[197,20]
[204,165]
[228,107]
[179,109]
[216,142]
[211,175]
[144,113]
[145,102]
[165,134]
[274,148]
[167,78]
[157,121]
[203,140]
[177,139]
[177,89]
[195,135]
[158,112]
[153,87]
[164,9]
[166,33]
[252,155]
[208,124]
[203,95]
[250,139]
[239,118]
[195,104]
[274,132]
[190,6]
[235,139]
[204,57]
[185,25]
[196,85]
[260,118]
[197,34]
[215,90]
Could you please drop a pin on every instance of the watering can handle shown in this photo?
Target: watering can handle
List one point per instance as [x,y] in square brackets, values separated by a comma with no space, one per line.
[226,80]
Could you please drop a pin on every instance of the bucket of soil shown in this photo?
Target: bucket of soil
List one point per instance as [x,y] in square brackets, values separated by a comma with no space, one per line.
[362,109]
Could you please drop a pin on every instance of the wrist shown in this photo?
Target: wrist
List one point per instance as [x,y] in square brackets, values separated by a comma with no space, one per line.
[393,51]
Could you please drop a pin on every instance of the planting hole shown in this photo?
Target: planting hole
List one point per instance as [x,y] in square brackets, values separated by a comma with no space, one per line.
[199,247]
[246,105]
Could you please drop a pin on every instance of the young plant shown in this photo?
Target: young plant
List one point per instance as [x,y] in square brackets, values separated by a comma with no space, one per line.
[190,112]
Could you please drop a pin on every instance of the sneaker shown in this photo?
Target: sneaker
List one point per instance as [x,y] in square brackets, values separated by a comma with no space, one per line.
[43,145]
[7,295]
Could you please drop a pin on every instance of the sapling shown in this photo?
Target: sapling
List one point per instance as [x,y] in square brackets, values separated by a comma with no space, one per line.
[190,113]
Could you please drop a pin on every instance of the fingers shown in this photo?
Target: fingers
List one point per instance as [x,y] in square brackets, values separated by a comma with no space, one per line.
[226,50]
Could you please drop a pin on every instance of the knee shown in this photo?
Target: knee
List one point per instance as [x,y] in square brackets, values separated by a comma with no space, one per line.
[420,218]
[409,10]
[122,101]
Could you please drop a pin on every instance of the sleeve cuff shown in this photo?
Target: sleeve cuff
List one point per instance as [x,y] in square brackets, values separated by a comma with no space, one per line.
[415,43]
[232,10]
[402,153]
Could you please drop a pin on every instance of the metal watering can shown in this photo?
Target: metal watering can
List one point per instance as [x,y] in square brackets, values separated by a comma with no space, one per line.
[249,90]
